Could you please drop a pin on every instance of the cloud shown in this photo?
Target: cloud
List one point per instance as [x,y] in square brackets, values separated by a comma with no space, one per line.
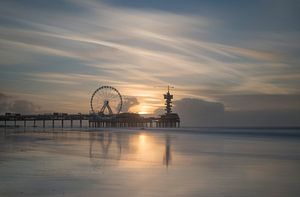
[199,112]
[262,118]
[129,102]
[24,107]
[259,102]
[3,102]
[11,104]
[74,51]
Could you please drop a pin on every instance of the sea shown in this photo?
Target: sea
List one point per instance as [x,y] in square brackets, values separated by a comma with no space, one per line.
[138,162]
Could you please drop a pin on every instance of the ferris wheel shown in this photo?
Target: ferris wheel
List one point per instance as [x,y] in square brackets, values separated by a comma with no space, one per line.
[106,100]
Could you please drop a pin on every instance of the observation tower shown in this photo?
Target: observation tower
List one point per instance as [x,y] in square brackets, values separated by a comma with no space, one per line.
[169,119]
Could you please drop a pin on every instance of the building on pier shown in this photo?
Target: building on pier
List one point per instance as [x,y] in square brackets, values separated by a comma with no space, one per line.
[169,119]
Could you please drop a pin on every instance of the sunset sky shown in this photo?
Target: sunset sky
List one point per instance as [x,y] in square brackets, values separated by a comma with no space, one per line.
[242,54]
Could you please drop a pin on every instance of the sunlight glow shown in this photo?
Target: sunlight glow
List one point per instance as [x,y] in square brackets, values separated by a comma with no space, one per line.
[142,112]
[143,108]
[142,139]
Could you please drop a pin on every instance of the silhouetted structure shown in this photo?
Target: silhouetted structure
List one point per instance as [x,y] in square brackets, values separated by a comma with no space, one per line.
[169,119]
[168,103]
[97,117]
[106,100]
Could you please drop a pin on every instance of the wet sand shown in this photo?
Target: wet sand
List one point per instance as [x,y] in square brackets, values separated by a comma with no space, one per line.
[138,163]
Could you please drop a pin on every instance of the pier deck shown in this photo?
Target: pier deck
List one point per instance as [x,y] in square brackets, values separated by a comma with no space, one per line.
[64,120]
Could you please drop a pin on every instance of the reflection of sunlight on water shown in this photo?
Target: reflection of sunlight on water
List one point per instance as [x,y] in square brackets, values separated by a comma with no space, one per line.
[142,139]
[145,147]
[144,150]
[127,150]
[104,163]
[130,150]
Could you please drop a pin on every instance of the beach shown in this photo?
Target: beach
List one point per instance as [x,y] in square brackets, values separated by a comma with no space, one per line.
[150,162]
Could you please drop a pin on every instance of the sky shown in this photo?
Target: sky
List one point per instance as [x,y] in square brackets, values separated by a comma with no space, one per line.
[227,58]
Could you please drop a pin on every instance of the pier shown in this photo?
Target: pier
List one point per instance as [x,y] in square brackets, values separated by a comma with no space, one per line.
[55,120]
[106,105]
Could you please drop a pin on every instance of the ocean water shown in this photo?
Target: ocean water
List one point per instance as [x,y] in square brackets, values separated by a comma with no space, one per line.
[150,162]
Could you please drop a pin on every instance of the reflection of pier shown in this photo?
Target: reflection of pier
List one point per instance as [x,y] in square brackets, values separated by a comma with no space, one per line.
[167,155]
[102,142]
[115,146]
[104,139]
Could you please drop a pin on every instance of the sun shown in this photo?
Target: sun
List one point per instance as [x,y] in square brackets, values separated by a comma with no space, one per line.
[142,109]
[142,112]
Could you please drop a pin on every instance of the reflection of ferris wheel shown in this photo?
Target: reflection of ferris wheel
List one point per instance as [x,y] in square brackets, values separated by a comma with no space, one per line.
[106,100]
